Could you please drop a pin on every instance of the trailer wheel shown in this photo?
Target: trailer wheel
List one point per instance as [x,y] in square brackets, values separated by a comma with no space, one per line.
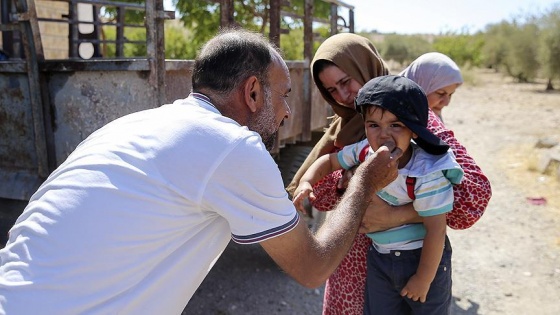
[290,159]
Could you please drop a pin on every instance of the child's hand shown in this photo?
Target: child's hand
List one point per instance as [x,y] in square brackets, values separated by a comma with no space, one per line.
[416,289]
[342,183]
[304,190]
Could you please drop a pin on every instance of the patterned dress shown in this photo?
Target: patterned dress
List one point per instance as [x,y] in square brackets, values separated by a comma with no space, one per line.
[344,290]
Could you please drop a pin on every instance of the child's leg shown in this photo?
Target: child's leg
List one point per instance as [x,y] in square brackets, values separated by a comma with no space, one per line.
[438,300]
[383,284]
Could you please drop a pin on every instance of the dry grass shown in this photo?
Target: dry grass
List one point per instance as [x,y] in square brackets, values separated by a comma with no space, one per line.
[522,169]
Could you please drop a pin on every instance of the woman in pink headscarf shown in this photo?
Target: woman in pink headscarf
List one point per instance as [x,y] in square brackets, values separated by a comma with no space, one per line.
[438,75]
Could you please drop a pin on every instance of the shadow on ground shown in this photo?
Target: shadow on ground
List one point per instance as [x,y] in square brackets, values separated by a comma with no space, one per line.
[245,280]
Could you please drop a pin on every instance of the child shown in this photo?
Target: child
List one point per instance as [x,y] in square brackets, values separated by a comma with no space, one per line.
[408,269]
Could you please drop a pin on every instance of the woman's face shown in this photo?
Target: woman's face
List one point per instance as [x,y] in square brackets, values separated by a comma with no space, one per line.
[340,85]
[438,99]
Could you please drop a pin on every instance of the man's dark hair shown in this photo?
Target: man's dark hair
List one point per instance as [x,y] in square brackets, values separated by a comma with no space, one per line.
[230,58]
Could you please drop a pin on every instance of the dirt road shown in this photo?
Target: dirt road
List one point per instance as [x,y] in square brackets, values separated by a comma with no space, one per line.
[508,263]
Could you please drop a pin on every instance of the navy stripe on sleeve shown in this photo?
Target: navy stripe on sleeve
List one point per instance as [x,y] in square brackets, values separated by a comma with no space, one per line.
[261,236]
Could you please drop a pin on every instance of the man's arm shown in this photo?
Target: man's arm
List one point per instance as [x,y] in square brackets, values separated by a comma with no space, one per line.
[311,259]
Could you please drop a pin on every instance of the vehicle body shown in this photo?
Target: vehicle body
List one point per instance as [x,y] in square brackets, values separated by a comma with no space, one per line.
[53,98]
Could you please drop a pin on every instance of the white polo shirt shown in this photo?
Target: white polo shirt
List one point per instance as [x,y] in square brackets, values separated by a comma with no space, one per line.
[137,215]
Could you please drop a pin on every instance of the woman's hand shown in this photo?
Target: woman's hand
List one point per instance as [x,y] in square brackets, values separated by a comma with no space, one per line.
[380,216]
[377,216]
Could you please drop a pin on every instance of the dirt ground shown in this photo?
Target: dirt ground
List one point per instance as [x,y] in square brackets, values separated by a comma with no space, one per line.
[507,263]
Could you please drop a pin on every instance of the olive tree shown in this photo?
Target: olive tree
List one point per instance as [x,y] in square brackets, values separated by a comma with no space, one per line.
[550,45]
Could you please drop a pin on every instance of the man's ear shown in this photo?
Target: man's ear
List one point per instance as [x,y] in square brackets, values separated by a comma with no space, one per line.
[414,136]
[252,90]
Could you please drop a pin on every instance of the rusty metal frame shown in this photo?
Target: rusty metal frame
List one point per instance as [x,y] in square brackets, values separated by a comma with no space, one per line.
[26,18]
[25,21]
[155,41]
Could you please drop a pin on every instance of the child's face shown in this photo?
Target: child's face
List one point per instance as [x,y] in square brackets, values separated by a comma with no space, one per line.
[382,127]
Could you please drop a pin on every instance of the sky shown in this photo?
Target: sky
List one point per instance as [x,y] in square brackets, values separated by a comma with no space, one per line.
[435,16]
[439,16]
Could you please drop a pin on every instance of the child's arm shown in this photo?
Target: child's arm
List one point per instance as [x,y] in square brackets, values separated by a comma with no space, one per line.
[432,250]
[324,165]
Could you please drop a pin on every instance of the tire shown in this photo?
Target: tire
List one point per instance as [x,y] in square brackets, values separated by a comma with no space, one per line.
[289,161]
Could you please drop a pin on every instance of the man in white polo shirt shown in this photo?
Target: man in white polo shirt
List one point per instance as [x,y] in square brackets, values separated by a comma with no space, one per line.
[137,215]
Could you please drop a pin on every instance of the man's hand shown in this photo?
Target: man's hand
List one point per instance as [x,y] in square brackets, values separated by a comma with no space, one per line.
[379,170]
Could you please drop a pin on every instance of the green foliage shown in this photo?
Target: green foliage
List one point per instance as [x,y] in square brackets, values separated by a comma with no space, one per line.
[549,49]
[402,48]
[525,47]
[292,44]
[495,48]
[462,48]
[177,42]
[129,50]
[201,21]
[202,17]
[132,15]
[522,55]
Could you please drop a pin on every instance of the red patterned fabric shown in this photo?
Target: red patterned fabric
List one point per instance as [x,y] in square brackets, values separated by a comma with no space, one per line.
[344,291]
[474,192]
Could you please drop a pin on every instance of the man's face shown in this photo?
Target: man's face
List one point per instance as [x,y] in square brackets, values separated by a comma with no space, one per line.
[267,120]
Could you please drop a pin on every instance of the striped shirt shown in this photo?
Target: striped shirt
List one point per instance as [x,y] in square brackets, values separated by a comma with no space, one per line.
[433,192]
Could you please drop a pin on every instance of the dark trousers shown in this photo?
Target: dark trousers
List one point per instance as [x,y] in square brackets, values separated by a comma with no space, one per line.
[387,274]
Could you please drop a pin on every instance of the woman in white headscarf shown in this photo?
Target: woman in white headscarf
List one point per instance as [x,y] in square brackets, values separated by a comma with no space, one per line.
[438,75]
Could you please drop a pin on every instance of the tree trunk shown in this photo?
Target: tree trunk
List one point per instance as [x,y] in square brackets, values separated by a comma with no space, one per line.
[549,86]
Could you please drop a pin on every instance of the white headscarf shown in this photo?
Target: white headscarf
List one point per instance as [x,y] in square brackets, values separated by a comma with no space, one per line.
[433,71]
